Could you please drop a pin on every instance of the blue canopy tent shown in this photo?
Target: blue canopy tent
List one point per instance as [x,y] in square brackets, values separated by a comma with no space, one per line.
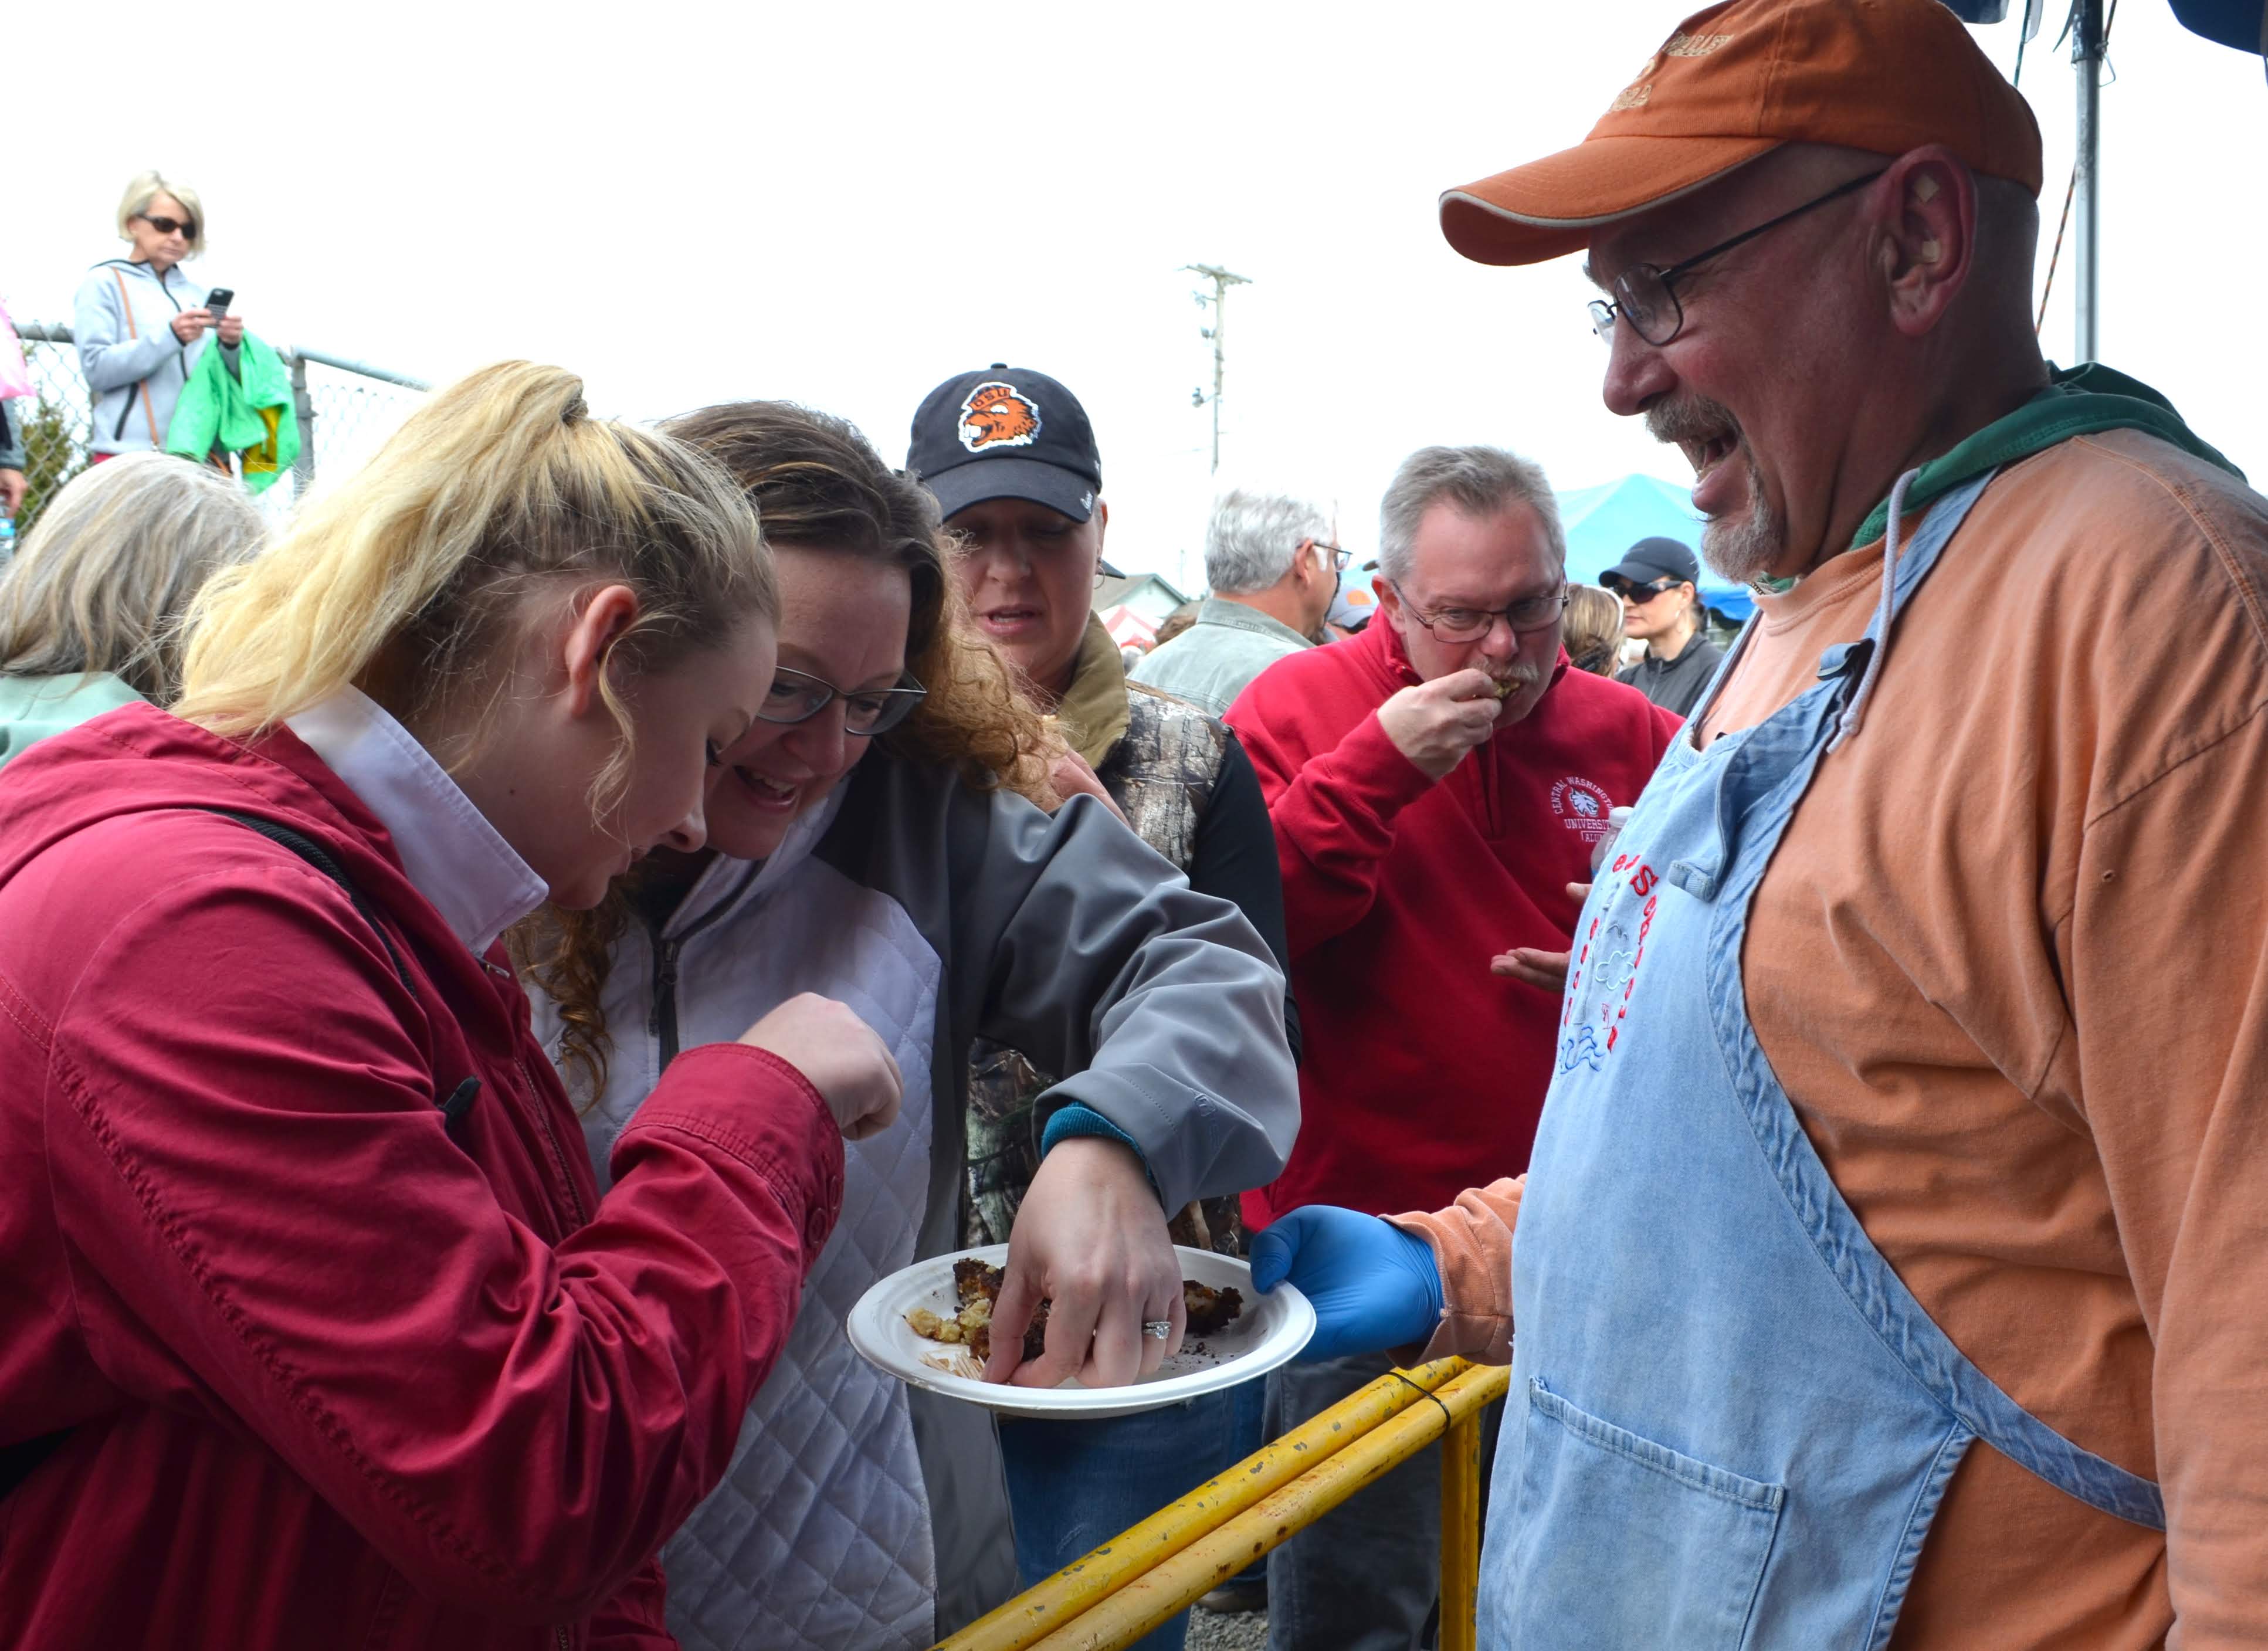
[1604,521]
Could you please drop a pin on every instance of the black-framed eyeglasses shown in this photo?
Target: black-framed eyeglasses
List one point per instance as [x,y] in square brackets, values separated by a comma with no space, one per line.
[1470,624]
[167,225]
[1339,558]
[798,697]
[1646,295]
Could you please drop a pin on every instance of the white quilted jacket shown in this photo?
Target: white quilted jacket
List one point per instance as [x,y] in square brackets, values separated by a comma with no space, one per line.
[937,913]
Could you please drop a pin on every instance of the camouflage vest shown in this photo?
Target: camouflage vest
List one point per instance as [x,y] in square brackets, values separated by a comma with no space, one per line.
[1161,773]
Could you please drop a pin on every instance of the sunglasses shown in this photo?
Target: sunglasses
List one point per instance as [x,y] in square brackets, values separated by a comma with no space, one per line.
[167,225]
[1644,593]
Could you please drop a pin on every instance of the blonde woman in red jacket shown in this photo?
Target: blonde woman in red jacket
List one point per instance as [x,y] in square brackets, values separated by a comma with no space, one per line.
[316,1328]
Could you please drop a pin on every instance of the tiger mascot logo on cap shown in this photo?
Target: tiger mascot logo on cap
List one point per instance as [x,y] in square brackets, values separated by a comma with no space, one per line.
[997,415]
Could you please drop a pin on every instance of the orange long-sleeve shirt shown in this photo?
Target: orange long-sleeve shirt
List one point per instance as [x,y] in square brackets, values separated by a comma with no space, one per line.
[2011,964]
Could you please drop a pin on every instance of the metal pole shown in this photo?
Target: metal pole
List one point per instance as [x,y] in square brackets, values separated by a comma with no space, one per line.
[303,408]
[1460,1535]
[1086,1582]
[1167,1587]
[2087,54]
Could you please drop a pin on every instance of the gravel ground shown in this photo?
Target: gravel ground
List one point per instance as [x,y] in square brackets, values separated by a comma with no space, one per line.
[1247,1631]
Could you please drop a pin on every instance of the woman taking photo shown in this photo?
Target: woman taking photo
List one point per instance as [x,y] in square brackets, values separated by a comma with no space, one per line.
[141,322]
[318,1330]
[868,842]
[90,608]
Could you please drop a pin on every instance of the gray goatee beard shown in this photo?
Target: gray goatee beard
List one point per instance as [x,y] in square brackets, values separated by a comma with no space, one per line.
[1744,549]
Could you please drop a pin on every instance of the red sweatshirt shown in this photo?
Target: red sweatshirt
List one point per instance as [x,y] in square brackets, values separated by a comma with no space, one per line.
[1423,1073]
[325,1373]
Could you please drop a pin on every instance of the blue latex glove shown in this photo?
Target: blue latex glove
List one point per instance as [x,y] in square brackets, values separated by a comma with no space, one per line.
[1375,1286]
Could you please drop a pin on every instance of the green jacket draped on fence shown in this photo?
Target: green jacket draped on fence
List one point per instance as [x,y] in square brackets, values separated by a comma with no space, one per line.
[250,414]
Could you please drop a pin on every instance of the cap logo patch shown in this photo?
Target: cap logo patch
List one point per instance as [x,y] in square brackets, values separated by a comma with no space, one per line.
[1634,96]
[997,415]
[1639,93]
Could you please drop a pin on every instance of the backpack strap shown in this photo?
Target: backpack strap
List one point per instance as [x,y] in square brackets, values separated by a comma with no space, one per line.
[19,1461]
[157,442]
[459,1101]
[317,856]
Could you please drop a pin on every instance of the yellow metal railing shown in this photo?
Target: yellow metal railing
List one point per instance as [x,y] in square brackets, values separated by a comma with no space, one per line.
[1141,1577]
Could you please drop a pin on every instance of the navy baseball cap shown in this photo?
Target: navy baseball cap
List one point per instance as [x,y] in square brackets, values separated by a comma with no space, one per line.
[1651,559]
[1005,432]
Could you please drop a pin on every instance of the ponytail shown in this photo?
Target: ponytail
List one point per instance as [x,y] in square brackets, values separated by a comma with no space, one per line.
[410,579]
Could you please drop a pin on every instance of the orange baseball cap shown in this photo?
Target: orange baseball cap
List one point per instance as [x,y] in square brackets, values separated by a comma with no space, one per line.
[1737,81]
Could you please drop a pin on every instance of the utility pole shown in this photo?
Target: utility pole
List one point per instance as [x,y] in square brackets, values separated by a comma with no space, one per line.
[1222,280]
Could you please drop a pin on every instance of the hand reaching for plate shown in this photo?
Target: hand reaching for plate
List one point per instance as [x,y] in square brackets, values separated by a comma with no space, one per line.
[1091,1240]
[1373,1286]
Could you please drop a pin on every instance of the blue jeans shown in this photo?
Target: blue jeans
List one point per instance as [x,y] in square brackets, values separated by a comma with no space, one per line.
[1365,1576]
[1072,1486]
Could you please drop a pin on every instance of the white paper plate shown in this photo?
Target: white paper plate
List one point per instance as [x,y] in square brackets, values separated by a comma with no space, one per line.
[1269,1332]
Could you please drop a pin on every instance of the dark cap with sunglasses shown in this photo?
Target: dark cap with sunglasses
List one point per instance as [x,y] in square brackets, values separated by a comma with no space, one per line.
[1647,564]
[1736,82]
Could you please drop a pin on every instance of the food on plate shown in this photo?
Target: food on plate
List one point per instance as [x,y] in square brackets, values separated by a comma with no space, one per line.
[975,1287]
[1208,1310]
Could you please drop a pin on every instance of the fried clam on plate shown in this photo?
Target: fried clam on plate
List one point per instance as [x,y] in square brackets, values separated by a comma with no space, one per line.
[977,1287]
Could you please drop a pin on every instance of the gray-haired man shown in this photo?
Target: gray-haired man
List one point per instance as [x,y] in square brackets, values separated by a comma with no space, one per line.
[1273,571]
[1435,783]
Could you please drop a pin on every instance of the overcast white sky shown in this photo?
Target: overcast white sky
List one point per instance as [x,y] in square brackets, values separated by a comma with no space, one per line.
[844,204]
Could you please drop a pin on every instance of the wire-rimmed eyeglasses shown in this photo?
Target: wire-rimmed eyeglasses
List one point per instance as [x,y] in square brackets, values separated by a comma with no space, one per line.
[1646,295]
[1470,624]
[798,697]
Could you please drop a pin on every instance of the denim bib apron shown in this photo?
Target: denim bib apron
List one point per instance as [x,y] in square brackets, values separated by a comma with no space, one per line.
[1729,1423]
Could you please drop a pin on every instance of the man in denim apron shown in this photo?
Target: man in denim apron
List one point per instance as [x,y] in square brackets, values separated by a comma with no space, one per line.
[1887,1270]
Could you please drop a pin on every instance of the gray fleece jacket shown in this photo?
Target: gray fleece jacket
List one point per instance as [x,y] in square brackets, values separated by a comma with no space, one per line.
[859,1513]
[121,360]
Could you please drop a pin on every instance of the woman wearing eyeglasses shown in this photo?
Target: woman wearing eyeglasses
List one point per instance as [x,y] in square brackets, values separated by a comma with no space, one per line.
[141,322]
[867,838]
[1661,608]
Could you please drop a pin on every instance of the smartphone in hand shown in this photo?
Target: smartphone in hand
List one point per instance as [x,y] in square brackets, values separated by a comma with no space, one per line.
[216,302]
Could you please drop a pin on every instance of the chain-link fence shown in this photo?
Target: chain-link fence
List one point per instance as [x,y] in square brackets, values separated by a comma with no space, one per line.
[345,410]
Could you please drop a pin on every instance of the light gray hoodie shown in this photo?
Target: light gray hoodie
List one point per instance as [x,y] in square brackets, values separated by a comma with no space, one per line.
[120,361]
